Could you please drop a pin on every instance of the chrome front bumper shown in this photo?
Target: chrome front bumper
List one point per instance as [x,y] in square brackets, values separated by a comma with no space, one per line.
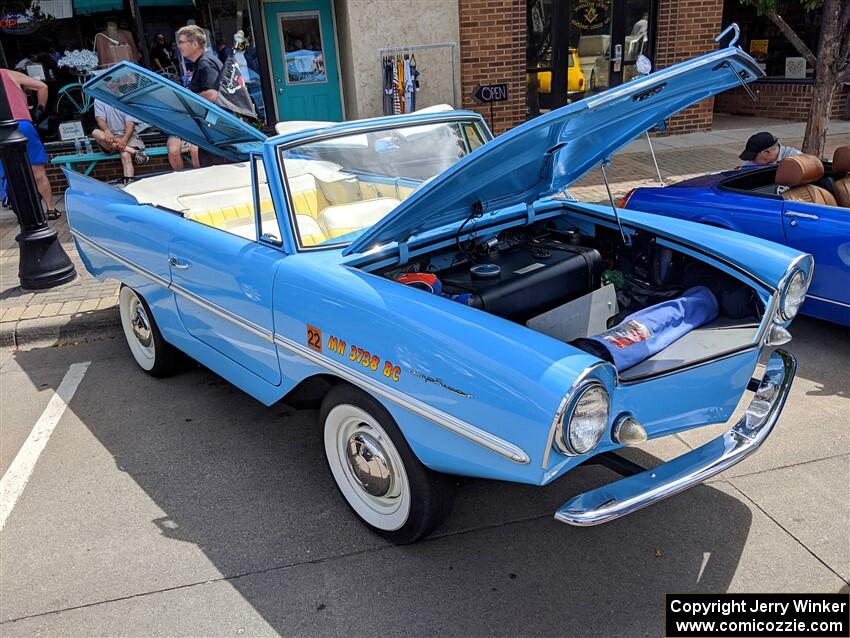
[629,494]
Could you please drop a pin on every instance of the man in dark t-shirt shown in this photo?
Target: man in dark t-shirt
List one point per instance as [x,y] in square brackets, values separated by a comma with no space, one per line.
[204,78]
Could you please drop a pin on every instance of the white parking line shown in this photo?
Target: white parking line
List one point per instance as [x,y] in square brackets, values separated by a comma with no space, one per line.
[18,475]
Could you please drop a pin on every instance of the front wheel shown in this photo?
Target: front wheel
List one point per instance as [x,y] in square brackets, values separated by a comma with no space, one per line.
[153,354]
[381,479]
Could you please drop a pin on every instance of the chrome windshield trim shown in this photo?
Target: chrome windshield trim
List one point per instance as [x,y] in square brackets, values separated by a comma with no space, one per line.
[457,426]
[162,281]
[627,495]
[331,133]
[179,290]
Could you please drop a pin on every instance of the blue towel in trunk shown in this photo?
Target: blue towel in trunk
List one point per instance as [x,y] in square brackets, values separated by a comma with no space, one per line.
[649,331]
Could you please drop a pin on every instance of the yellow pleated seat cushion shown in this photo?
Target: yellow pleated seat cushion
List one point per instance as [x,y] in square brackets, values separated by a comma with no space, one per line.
[342,219]
[310,231]
[229,216]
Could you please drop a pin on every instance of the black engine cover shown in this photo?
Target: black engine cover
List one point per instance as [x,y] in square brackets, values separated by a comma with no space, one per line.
[528,283]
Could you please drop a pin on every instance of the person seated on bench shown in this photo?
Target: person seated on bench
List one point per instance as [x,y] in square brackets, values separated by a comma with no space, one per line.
[116,133]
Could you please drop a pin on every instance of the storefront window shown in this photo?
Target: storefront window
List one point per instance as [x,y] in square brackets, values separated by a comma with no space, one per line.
[302,41]
[82,36]
[763,40]
[577,48]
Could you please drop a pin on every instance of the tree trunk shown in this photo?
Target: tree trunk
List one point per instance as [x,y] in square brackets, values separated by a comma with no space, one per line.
[826,79]
[816,125]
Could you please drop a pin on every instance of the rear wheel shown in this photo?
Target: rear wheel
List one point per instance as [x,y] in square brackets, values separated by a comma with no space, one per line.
[381,479]
[149,349]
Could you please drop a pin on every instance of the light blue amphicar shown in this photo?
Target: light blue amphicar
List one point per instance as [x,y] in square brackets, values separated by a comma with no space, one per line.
[422,283]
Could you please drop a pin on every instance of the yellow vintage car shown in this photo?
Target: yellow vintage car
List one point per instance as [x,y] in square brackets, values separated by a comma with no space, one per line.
[575,76]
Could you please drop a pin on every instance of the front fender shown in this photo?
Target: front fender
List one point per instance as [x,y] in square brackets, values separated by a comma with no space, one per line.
[424,355]
[435,363]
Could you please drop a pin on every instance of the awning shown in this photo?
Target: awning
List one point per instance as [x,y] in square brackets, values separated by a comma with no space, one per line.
[86,7]
[166,3]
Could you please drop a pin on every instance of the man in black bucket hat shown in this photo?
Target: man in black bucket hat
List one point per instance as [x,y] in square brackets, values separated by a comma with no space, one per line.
[764,148]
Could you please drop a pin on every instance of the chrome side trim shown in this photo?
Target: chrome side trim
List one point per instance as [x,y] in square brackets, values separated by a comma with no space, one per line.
[251,327]
[179,290]
[627,495]
[165,283]
[832,301]
[447,421]
[455,425]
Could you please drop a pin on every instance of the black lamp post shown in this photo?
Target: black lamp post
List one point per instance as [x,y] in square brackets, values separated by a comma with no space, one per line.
[43,261]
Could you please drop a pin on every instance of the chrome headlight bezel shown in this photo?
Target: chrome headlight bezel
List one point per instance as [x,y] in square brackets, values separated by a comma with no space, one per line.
[563,433]
[795,277]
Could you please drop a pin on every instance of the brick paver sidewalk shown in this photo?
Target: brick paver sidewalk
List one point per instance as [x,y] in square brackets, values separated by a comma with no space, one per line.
[86,307]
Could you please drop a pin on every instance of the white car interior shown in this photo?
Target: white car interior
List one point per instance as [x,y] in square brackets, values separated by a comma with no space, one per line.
[328,202]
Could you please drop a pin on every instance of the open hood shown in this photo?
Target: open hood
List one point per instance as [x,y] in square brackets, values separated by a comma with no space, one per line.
[545,155]
[153,99]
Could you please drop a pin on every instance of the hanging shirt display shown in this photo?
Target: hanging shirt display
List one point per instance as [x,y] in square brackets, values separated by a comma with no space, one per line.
[399,83]
[409,88]
[387,72]
[396,91]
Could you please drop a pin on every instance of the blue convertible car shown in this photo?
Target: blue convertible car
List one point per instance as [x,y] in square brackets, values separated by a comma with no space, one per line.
[785,203]
[433,286]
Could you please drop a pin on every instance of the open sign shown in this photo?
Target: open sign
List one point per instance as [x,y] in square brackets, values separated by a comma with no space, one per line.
[485,93]
[18,24]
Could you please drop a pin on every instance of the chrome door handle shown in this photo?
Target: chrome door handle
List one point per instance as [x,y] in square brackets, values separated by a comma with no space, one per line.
[814,218]
[176,263]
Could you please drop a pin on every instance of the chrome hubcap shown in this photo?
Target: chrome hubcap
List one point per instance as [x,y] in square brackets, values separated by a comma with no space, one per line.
[369,464]
[141,325]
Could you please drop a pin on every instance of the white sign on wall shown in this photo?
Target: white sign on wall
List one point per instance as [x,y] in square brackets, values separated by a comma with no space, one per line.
[35,71]
[795,68]
[71,131]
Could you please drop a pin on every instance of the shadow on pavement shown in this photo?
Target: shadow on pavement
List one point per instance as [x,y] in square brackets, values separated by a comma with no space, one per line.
[248,486]
[822,349]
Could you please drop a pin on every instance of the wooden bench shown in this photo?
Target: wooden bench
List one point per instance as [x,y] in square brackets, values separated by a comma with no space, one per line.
[95,157]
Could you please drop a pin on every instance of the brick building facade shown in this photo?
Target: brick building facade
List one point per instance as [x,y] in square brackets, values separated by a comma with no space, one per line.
[493,41]
[492,50]
[780,100]
[686,29]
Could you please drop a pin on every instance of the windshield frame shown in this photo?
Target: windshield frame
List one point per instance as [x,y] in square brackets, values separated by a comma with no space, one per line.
[463,117]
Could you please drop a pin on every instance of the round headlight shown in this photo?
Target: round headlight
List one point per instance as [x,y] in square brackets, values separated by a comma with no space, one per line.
[587,421]
[793,296]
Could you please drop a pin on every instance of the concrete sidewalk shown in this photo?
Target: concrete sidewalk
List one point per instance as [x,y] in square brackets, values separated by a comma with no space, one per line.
[87,308]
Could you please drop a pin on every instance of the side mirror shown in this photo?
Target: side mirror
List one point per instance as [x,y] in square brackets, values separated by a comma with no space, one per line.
[643,65]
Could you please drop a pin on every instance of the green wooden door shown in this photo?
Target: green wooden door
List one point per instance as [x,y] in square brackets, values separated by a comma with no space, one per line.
[302,46]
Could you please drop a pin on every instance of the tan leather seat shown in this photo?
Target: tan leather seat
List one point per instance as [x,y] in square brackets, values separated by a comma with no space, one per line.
[798,173]
[841,164]
[811,194]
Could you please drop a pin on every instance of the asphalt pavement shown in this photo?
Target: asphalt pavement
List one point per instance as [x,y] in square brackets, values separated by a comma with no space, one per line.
[184,507]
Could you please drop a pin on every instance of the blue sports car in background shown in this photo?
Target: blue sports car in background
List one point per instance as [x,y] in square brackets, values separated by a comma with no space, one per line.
[786,203]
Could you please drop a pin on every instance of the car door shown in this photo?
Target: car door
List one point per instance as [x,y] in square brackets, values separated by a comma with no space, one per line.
[222,276]
[823,231]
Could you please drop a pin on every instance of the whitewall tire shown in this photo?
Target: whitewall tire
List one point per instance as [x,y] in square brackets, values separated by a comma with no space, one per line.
[377,474]
[149,349]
